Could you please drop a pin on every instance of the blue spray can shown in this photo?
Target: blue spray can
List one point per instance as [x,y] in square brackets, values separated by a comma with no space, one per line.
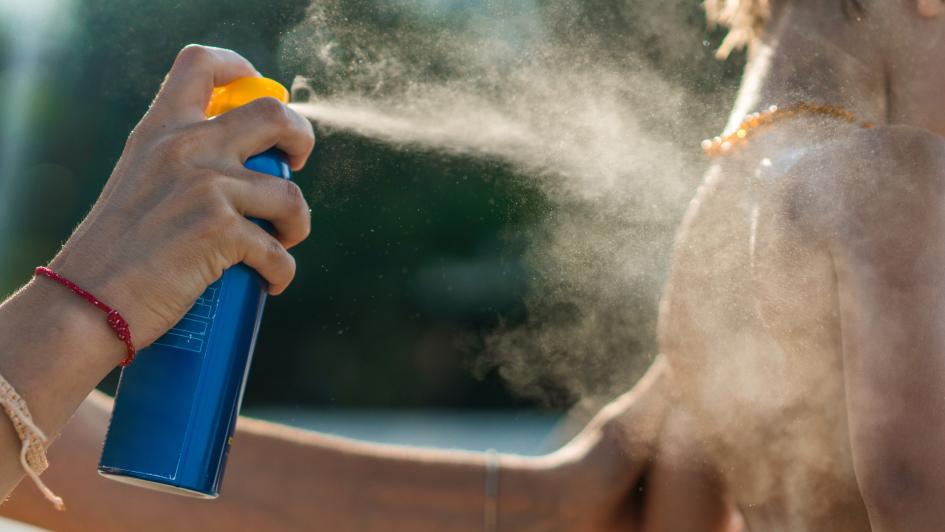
[177,403]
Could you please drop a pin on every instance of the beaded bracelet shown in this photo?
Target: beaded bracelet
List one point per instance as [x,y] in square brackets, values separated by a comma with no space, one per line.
[33,440]
[114,318]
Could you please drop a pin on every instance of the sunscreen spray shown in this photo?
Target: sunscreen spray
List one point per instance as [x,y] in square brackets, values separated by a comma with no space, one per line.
[177,403]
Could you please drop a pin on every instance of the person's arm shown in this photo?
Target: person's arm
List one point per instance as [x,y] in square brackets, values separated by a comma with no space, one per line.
[280,478]
[889,251]
[170,219]
[685,490]
[55,348]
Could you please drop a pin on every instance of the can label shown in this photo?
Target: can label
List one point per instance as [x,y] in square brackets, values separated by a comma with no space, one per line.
[191,332]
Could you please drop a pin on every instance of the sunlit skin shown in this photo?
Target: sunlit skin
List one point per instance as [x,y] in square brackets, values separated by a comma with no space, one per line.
[804,318]
[801,328]
[169,221]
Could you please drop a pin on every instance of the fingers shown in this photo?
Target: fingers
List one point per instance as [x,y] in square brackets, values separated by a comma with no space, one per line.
[262,252]
[196,71]
[260,125]
[242,132]
[278,201]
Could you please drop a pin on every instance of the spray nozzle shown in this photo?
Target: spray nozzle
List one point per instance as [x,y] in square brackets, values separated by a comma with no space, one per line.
[242,91]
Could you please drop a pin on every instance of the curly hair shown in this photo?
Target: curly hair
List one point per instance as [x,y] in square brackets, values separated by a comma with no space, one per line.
[746,19]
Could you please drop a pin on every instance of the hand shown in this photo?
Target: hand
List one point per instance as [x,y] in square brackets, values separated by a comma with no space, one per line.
[173,214]
[597,473]
[603,466]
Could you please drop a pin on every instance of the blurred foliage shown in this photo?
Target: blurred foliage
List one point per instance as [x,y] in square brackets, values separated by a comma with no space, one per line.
[414,255]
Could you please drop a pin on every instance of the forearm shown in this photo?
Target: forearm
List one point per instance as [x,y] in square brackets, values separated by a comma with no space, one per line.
[56,348]
[341,484]
[280,478]
[283,478]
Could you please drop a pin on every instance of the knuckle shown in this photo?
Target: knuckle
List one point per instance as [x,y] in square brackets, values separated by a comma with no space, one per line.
[215,204]
[274,249]
[306,228]
[143,129]
[217,231]
[204,184]
[301,215]
[183,143]
[287,268]
[272,110]
[206,175]
[294,196]
[193,55]
[305,129]
[175,147]
[202,188]
[213,226]
[280,261]
[309,128]
[136,139]
[290,272]
[219,211]
[309,134]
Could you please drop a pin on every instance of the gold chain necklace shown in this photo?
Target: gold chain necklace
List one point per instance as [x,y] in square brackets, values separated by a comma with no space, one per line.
[723,145]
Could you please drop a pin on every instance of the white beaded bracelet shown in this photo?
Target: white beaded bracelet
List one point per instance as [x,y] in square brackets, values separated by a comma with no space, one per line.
[34,441]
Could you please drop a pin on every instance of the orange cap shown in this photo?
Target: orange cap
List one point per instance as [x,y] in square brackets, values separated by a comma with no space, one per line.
[242,91]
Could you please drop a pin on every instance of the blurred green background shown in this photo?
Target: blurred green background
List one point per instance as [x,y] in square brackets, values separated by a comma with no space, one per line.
[414,254]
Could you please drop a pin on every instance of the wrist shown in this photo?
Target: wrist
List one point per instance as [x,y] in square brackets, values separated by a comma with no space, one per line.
[114,318]
[51,335]
[77,324]
[119,285]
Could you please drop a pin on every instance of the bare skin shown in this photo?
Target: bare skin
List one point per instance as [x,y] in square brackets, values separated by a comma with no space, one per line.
[803,316]
[280,478]
[169,221]
[800,323]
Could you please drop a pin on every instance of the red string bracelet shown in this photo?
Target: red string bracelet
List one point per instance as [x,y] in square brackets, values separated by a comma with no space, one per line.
[114,319]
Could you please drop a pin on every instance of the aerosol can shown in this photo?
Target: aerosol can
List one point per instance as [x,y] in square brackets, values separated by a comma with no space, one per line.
[177,403]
